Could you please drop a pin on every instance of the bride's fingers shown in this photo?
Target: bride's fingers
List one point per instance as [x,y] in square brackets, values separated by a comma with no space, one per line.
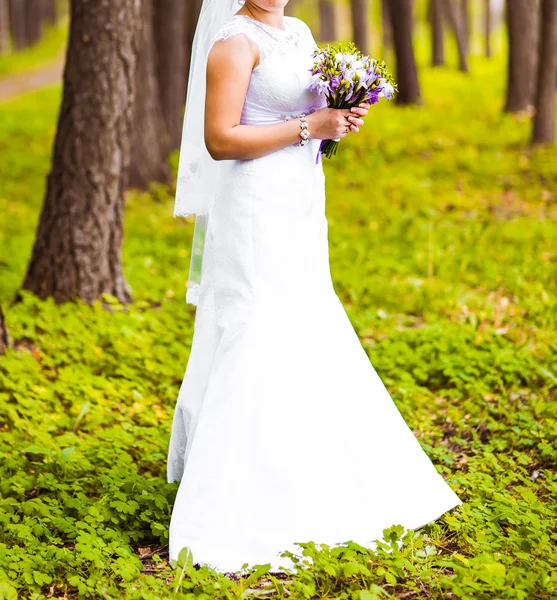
[355,121]
[361,110]
[354,128]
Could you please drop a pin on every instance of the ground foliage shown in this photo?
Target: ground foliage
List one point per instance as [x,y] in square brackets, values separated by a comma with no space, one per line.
[443,249]
[51,46]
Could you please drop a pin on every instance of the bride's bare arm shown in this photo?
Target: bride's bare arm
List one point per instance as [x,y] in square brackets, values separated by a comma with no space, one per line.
[229,70]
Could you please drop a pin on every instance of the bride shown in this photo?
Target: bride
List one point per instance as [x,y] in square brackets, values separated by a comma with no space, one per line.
[283,432]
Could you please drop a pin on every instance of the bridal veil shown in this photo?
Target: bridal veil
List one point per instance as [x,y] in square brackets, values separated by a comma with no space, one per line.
[198,174]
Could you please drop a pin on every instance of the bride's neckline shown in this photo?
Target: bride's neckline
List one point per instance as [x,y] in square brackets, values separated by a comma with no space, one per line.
[265,25]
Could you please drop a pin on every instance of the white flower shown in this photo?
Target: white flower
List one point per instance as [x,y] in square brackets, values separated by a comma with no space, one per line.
[318,84]
[362,76]
[387,89]
[348,74]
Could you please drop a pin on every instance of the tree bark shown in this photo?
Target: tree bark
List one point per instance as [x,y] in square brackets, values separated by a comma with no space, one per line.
[488,27]
[4,337]
[387,31]
[455,16]
[359,23]
[523,29]
[77,252]
[407,73]
[33,21]
[5,44]
[150,137]
[289,8]
[192,16]
[437,33]
[17,24]
[544,119]
[466,25]
[170,40]
[50,12]
[327,21]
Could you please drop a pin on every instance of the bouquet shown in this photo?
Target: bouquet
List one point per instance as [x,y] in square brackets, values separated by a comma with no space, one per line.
[347,78]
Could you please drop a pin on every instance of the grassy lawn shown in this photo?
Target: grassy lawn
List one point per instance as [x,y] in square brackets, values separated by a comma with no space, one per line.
[443,245]
[49,49]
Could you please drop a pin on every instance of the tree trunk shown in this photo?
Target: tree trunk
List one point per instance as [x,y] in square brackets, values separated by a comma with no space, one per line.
[359,23]
[407,73]
[192,16]
[4,337]
[544,120]
[50,13]
[455,15]
[289,8]
[77,252]
[327,21]
[437,33]
[150,137]
[466,25]
[387,31]
[170,39]
[5,44]
[17,24]
[523,28]
[33,21]
[488,27]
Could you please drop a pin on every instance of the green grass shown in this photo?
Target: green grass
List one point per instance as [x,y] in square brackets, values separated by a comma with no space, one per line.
[443,250]
[47,50]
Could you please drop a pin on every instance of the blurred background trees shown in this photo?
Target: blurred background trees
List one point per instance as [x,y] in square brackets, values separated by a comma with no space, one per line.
[146,106]
[523,31]
[22,22]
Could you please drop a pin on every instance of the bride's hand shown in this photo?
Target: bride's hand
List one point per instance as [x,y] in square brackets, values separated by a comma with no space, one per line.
[357,117]
[335,123]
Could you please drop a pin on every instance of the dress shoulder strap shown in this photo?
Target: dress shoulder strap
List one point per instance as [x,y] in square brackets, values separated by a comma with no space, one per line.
[239,25]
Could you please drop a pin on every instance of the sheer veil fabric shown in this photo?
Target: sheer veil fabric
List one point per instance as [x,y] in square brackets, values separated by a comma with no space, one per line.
[283,432]
[198,173]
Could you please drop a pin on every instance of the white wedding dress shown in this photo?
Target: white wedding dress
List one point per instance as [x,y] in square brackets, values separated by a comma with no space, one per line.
[283,432]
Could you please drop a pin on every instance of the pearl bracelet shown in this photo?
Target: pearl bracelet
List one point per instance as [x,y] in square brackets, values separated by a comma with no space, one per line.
[304,131]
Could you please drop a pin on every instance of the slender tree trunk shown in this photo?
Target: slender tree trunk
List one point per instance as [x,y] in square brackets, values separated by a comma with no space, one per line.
[523,28]
[407,73]
[387,30]
[17,24]
[192,16]
[437,33]
[50,12]
[456,20]
[360,23]
[150,137]
[77,252]
[4,337]
[170,38]
[488,26]
[33,21]
[544,119]
[289,9]
[327,21]
[466,25]
[5,44]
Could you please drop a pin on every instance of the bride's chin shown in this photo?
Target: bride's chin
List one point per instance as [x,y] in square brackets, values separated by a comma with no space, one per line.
[269,5]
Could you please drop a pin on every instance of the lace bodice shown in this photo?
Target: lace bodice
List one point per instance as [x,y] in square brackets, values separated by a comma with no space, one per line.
[278,89]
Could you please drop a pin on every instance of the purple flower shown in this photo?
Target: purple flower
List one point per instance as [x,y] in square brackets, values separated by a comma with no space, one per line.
[334,83]
[373,96]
